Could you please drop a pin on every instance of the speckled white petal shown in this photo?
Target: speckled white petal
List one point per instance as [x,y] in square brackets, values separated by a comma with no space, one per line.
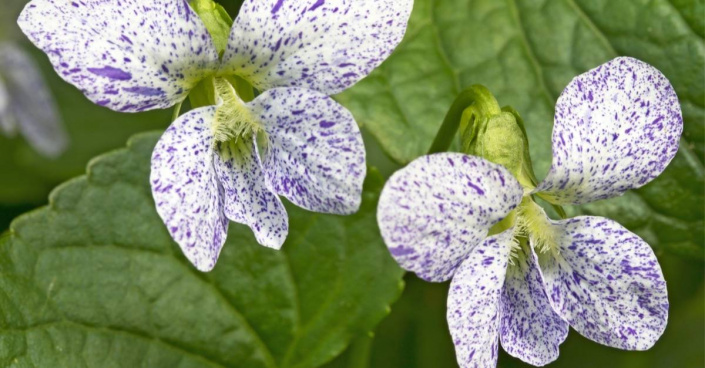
[324,45]
[30,109]
[315,156]
[434,211]
[474,306]
[185,188]
[247,199]
[131,55]
[607,283]
[530,330]
[616,128]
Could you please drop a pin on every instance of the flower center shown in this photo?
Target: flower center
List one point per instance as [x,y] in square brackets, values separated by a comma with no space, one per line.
[233,117]
[534,224]
[532,227]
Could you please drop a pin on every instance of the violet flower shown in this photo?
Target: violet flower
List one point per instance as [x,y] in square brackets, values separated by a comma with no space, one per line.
[519,277]
[135,55]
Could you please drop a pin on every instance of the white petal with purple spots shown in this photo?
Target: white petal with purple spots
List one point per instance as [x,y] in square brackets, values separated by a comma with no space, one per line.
[324,45]
[607,283]
[247,199]
[130,55]
[474,302]
[186,190]
[315,156]
[31,109]
[617,127]
[435,210]
[530,330]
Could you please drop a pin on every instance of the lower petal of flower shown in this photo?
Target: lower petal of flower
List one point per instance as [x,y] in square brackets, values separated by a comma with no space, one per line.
[530,330]
[186,190]
[607,283]
[247,199]
[474,307]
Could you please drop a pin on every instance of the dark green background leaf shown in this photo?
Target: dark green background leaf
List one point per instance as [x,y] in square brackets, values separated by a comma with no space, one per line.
[94,280]
[526,52]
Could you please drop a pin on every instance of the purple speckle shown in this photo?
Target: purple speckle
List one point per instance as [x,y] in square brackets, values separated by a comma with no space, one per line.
[277,6]
[144,91]
[112,73]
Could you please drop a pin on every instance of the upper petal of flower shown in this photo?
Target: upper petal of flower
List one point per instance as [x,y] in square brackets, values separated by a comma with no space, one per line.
[323,45]
[315,156]
[617,127]
[32,108]
[185,188]
[435,210]
[247,199]
[474,302]
[607,283]
[530,330]
[130,55]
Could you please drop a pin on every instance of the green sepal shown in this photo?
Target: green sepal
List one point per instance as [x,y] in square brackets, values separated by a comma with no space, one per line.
[528,167]
[203,94]
[477,98]
[497,138]
[217,21]
[497,135]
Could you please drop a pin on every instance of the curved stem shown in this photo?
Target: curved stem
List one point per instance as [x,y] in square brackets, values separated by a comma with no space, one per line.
[177,111]
[477,96]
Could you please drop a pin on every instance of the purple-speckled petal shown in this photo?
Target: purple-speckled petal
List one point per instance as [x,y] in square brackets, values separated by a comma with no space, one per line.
[315,156]
[131,55]
[607,283]
[324,45]
[30,109]
[617,127]
[530,330]
[434,211]
[474,306]
[185,187]
[247,199]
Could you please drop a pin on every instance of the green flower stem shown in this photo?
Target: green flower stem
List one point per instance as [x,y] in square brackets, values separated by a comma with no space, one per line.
[177,111]
[479,98]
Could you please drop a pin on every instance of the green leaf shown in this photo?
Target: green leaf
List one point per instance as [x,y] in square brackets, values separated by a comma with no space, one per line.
[526,52]
[94,280]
